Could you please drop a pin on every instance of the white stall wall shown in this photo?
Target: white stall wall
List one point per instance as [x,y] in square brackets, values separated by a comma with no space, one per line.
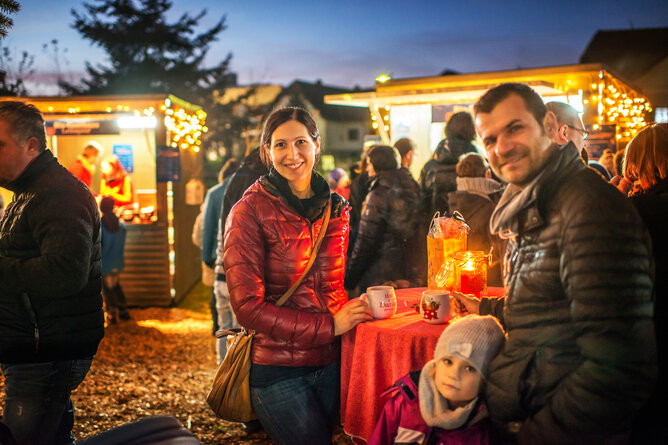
[413,122]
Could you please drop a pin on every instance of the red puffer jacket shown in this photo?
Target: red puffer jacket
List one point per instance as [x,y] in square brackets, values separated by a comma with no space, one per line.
[267,246]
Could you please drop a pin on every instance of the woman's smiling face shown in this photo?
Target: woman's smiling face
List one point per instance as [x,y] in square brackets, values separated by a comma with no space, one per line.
[293,153]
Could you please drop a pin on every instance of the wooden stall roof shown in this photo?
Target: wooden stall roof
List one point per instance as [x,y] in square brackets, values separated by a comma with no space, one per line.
[121,103]
[467,88]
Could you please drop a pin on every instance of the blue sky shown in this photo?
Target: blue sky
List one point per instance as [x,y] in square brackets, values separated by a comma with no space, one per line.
[350,42]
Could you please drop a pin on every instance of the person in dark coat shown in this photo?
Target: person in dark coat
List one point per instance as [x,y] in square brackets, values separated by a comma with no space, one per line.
[51,317]
[438,176]
[646,162]
[475,198]
[580,358]
[387,226]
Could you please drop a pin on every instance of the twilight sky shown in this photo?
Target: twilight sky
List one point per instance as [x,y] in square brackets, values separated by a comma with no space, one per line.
[350,42]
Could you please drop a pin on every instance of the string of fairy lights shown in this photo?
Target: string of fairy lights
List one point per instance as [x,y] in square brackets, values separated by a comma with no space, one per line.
[605,99]
[184,128]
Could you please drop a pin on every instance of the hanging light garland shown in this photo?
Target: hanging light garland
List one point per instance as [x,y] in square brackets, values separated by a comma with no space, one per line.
[185,129]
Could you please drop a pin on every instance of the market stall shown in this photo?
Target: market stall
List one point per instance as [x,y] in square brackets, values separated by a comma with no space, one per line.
[418,108]
[155,138]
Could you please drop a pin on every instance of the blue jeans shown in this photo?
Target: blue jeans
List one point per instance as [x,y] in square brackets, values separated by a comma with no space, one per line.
[303,410]
[38,408]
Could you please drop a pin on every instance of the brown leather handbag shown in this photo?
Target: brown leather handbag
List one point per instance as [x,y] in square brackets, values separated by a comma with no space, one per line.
[230,397]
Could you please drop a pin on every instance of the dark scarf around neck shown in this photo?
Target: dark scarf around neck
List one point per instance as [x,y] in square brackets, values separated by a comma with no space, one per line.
[310,208]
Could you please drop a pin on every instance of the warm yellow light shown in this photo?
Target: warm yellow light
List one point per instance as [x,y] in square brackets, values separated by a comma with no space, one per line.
[383,78]
[374,125]
[386,128]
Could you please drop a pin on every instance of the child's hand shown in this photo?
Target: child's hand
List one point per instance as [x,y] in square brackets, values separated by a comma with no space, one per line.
[351,314]
[466,303]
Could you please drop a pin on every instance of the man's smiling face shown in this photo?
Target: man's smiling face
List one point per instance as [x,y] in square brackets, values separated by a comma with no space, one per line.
[516,144]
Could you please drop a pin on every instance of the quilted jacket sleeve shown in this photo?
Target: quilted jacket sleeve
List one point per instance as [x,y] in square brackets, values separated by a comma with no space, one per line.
[607,277]
[244,262]
[64,227]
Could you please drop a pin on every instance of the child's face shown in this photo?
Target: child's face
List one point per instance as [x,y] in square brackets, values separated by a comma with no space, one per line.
[457,380]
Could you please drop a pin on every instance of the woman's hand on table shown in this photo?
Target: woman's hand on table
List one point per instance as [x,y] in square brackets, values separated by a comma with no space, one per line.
[351,314]
[466,303]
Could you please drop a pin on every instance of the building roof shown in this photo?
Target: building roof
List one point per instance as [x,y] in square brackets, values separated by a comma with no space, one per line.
[314,94]
[629,52]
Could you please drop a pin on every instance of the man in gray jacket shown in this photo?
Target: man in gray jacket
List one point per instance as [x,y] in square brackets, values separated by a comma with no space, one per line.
[51,318]
[580,358]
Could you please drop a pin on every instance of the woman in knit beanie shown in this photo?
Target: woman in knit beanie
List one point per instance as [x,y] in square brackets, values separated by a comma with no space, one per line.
[113,246]
[443,402]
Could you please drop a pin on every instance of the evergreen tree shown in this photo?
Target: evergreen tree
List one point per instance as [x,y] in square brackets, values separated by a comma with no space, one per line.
[147,54]
[7,7]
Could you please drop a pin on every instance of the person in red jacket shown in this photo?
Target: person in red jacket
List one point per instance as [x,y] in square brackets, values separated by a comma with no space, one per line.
[269,237]
[443,402]
[116,182]
[84,166]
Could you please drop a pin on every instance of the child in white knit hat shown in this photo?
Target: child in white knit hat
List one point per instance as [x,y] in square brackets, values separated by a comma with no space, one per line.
[442,403]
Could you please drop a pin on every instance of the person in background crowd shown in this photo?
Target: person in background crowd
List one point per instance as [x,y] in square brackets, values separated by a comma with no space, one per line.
[646,163]
[444,402]
[475,198]
[250,171]
[51,317]
[618,162]
[84,166]
[438,176]
[213,205]
[388,225]
[607,160]
[339,182]
[571,128]
[116,182]
[269,236]
[359,187]
[113,262]
[406,150]
[2,207]
[578,314]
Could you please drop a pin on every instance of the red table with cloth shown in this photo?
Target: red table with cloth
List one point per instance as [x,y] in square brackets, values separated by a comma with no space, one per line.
[376,353]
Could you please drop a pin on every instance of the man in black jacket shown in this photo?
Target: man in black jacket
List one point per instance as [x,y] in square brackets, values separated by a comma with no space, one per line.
[51,318]
[580,358]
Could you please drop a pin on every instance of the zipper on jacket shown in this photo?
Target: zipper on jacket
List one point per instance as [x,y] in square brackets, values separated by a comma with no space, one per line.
[33,318]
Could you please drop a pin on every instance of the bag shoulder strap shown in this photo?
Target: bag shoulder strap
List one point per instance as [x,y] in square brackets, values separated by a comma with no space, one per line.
[314,254]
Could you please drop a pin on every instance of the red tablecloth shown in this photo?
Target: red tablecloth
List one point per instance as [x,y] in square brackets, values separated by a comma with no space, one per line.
[376,353]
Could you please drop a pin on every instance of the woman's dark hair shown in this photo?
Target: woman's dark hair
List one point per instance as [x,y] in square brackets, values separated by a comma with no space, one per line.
[278,118]
[460,126]
[109,219]
[384,157]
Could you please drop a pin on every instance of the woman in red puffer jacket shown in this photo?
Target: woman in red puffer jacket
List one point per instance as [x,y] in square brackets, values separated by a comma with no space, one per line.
[269,236]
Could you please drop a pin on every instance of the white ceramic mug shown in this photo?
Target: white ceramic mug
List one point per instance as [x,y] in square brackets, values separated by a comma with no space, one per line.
[382,301]
[436,306]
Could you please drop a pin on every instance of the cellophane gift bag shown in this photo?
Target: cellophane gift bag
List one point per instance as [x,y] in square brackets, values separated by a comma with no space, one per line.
[447,235]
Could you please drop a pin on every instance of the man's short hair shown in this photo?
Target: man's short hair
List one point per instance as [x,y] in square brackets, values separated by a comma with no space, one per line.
[566,114]
[471,165]
[25,121]
[403,146]
[532,100]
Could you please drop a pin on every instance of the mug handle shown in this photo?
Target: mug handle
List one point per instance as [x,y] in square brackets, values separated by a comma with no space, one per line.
[364,297]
